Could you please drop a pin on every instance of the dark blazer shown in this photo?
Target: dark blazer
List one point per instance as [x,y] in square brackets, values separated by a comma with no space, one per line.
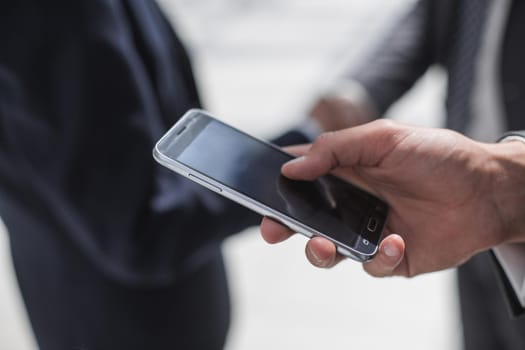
[110,249]
[419,40]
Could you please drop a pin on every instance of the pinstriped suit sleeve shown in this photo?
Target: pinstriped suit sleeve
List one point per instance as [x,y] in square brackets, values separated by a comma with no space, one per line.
[507,258]
[400,59]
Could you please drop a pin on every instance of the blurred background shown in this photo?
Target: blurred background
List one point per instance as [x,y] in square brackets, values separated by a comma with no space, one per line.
[259,65]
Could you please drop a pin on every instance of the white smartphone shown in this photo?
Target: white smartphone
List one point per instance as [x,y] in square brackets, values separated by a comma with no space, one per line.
[247,170]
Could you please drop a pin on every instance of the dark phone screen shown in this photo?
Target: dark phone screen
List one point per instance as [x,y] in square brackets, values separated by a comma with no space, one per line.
[329,205]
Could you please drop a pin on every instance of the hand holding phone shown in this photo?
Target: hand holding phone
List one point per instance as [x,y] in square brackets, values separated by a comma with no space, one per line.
[248,171]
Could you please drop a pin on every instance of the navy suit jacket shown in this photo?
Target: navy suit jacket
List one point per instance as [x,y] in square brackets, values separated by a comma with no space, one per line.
[86,89]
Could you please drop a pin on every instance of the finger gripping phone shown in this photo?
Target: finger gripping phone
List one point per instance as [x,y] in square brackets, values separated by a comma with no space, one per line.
[247,170]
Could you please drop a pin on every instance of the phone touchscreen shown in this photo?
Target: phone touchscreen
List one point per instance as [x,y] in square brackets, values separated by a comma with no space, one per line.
[252,167]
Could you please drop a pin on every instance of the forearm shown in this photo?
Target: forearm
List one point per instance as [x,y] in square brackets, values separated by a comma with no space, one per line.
[367,90]
[399,61]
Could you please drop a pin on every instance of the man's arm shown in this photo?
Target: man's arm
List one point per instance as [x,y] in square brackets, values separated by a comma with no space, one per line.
[450,197]
[400,60]
[391,68]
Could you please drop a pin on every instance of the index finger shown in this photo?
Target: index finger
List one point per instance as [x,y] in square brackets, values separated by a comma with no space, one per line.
[365,145]
[297,150]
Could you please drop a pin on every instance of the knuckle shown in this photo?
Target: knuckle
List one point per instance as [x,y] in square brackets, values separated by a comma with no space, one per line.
[324,138]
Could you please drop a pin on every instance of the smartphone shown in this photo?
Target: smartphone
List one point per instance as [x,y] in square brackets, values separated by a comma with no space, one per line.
[247,170]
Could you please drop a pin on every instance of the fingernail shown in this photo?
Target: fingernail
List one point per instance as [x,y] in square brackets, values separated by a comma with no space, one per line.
[318,262]
[391,250]
[316,258]
[297,160]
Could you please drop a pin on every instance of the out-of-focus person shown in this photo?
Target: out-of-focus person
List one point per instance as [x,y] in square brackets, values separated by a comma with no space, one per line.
[111,251]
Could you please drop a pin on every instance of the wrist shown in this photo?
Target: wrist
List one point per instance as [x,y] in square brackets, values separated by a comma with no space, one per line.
[508,188]
[351,93]
[345,104]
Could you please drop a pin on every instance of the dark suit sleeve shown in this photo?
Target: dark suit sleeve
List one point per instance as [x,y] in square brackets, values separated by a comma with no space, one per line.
[513,134]
[513,303]
[400,59]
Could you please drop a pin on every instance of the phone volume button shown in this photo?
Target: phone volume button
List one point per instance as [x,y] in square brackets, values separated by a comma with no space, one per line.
[204,183]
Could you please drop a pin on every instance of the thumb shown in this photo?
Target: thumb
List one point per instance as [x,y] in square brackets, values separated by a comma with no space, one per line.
[389,260]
